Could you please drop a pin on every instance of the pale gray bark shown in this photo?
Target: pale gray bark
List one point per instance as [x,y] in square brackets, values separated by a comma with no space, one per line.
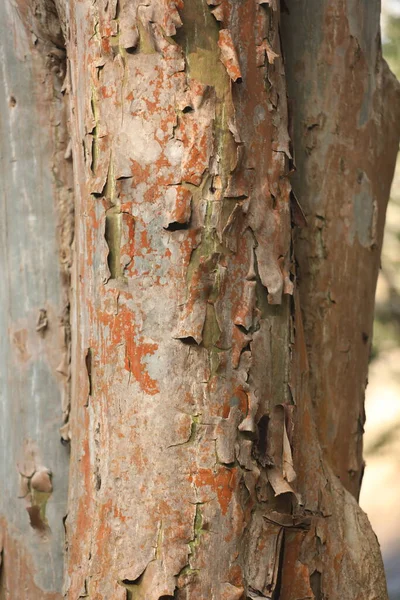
[35,217]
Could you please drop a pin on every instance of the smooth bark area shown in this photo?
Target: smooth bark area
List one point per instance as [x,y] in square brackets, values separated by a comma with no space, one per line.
[35,234]
[346,111]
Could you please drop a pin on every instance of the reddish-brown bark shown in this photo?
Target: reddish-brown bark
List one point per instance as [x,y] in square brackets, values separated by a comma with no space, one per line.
[345,106]
[174,311]
[184,484]
[215,435]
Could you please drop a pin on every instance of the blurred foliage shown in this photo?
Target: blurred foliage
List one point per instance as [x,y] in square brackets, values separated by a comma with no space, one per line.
[384,440]
[391,45]
[387,307]
[387,312]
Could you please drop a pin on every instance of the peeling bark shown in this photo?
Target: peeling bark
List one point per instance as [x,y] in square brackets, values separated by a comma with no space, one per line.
[180,135]
[191,474]
[215,441]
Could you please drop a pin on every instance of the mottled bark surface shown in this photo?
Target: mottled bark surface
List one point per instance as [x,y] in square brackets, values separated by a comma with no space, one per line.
[35,230]
[216,438]
[346,111]
[195,401]
[183,222]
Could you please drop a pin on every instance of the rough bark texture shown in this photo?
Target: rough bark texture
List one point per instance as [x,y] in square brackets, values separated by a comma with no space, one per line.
[194,402]
[36,231]
[216,440]
[183,222]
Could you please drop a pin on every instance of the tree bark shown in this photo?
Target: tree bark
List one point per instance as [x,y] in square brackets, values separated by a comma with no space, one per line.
[345,104]
[182,223]
[216,439]
[36,232]
[193,412]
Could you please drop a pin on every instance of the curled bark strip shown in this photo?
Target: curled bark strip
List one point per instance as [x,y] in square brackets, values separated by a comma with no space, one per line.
[228,55]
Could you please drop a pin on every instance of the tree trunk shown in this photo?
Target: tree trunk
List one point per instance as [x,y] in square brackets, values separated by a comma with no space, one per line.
[36,232]
[345,134]
[216,441]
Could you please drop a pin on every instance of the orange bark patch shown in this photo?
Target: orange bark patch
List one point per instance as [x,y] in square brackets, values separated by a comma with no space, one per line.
[222,483]
[120,324]
[144,240]
[105,92]
[181,210]
[228,55]
[104,529]
[140,174]
[195,162]
[135,353]
[127,239]
[106,46]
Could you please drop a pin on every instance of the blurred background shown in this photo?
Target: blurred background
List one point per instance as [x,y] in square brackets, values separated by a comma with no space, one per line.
[380,493]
